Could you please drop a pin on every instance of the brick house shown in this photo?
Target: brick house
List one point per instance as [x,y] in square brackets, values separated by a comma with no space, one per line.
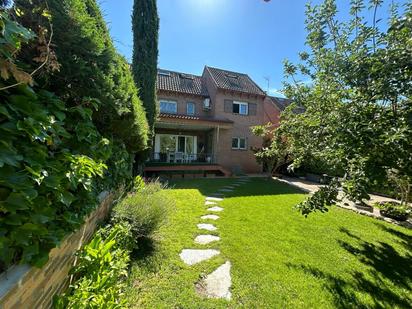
[204,123]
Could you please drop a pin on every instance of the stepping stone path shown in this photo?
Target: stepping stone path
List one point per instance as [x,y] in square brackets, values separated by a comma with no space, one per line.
[217,284]
[211,217]
[214,199]
[194,256]
[206,226]
[206,239]
[215,209]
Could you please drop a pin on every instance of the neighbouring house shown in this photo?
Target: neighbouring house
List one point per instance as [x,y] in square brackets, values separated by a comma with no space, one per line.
[204,123]
[273,106]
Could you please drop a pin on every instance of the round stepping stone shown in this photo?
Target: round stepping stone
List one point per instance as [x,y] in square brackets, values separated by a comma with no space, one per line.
[217,284]
[215,208]
[211,217]
[210,203]
[206,239]
[194,256]
[226,190]
[213,199]
[207,226]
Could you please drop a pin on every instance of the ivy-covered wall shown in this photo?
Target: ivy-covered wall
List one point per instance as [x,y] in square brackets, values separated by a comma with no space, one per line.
[71,123]
[31,287]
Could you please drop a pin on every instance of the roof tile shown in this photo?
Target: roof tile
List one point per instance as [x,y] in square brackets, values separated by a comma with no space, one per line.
[180,82]
[189,117]
[234,81]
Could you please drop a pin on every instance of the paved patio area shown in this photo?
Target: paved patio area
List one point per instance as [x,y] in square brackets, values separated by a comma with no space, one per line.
[311,187]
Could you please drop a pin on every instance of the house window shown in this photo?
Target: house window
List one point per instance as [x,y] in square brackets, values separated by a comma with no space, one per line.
[238,143]
[190,108]
[240,108]
[168,107]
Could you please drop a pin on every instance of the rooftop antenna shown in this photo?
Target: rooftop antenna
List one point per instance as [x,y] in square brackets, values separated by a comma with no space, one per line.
[267,78]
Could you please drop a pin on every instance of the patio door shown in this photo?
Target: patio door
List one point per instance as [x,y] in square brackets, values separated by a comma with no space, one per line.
[170,143]
[181,144]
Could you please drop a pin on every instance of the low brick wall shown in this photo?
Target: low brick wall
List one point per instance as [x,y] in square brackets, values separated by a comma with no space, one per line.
[23,286]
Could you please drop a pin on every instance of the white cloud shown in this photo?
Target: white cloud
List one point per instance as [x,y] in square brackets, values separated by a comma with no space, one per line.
[276,93]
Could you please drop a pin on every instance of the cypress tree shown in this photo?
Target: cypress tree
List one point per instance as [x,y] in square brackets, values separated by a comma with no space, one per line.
[145,24]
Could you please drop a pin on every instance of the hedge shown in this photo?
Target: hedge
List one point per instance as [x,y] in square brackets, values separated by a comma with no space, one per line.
[64,135]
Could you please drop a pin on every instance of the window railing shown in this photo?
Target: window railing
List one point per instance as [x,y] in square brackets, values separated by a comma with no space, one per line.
[182,158]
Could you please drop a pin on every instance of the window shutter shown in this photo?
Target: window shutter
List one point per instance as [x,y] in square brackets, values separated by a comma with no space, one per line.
[252,109]
[228,106]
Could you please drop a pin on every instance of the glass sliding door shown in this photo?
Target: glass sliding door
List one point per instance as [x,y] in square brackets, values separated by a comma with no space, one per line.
[181,144]
[175,148]
[190,144]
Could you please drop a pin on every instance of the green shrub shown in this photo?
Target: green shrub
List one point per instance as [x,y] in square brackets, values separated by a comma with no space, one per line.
[393,210]
[146,211]
[101,271]
[138,184]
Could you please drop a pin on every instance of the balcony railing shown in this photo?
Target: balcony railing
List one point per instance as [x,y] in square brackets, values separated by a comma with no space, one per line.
[181,158]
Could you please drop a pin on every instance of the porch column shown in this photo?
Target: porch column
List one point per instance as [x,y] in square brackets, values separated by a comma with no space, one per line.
[156,147]
[215,150]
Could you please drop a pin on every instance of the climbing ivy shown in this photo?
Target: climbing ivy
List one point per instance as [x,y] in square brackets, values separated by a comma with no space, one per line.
[58,149]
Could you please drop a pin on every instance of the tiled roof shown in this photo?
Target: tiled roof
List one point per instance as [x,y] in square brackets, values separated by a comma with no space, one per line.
[188,117]
[234,81]
[282,103]
[180,82]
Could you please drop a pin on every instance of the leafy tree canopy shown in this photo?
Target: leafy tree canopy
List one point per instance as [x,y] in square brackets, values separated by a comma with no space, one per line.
[358,106]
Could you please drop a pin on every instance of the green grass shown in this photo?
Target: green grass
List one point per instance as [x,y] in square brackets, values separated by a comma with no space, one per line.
[279,258]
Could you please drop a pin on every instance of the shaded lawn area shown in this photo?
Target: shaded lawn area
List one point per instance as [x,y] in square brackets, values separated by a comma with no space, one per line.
[279,258]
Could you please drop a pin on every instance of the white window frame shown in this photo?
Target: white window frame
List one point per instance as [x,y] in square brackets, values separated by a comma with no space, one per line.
[187,108]
[245,104]
[168,102]
[238,143]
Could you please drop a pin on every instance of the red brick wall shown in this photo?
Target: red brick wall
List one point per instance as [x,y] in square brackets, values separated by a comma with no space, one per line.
[182,101]
[271,113]
[234,159]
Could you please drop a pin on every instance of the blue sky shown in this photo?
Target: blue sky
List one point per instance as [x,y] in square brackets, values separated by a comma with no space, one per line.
[249,36]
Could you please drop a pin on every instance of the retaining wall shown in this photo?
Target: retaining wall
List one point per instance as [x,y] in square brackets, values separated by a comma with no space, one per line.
[23,286]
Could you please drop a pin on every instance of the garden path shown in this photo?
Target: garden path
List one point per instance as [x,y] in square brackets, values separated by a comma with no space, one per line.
[217,284]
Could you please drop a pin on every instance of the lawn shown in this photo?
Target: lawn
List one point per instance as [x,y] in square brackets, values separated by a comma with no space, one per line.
[279,258]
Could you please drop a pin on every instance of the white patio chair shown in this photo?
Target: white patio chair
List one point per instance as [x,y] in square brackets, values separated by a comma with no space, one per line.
[178,157]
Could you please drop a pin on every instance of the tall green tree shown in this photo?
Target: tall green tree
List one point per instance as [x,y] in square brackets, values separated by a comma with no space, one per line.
[145,23]
[358,105]
[90,67]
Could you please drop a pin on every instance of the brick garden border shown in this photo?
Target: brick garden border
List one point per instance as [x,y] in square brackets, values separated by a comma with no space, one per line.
[22,286]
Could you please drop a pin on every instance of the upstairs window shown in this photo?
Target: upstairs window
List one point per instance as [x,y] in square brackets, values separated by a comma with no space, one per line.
[239,143]
[240,108]
[190,108]
[168,107]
